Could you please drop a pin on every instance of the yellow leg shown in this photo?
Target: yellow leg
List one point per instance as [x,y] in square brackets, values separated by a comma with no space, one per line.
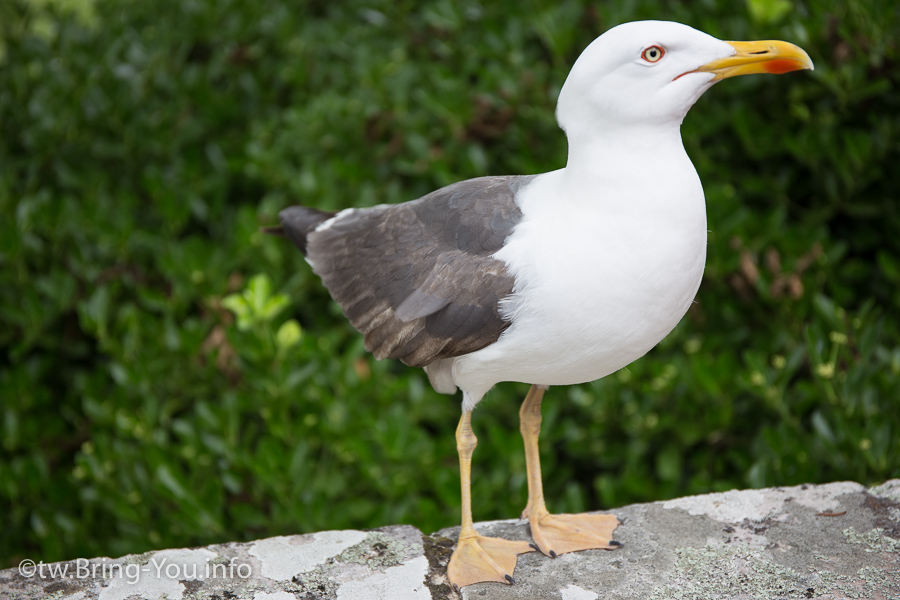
[478,558]
[556,534]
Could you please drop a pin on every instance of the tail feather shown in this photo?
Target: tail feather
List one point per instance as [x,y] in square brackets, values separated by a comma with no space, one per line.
[274,230]
[297,222]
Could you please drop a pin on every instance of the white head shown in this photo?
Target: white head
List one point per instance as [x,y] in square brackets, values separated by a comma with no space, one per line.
[652,72]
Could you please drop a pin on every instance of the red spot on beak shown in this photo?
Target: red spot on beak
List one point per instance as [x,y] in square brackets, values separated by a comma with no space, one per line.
[781,65]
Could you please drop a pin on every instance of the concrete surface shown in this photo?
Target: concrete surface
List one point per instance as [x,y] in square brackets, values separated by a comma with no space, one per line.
[832,541]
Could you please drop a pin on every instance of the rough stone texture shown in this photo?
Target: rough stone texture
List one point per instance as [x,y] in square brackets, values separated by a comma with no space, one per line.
[832,541]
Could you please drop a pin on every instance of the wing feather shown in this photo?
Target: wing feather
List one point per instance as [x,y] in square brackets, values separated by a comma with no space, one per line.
[418,279]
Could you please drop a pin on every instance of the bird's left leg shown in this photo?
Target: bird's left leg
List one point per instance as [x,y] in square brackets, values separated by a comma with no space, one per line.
[556,534]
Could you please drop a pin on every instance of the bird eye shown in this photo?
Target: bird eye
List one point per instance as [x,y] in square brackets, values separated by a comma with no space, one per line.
[653,54]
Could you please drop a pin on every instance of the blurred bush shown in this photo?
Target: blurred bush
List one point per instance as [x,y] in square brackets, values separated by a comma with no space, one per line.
[170,376]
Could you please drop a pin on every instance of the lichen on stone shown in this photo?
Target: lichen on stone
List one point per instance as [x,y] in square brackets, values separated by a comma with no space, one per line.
[874,539]
[314,584]
[877,581]
[137,559]
[728,572]
[723,572]
[889,489]
[377,550]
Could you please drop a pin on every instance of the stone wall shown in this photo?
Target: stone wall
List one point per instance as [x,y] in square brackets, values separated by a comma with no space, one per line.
[839,540]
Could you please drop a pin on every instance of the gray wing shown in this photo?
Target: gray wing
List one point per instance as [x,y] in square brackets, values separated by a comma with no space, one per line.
[418,279]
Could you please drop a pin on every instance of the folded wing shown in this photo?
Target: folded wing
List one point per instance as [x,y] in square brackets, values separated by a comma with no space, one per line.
[418,279]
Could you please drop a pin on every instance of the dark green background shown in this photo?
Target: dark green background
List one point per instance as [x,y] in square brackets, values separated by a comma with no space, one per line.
[142,144]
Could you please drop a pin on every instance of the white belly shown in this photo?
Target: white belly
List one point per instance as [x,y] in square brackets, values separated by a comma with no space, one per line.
[596,289]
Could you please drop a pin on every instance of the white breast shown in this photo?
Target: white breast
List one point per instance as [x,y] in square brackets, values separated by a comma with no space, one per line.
[600,280]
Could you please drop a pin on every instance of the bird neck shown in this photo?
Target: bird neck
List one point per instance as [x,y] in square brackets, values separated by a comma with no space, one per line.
[625,157]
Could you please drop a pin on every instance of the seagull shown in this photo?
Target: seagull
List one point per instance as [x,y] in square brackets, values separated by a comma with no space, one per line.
[552,279]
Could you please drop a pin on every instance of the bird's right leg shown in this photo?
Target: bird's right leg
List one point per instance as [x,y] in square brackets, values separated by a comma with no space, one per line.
[478,558]
[556,534]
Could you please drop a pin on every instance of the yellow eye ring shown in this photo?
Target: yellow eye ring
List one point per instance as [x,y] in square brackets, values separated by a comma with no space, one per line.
[653,54]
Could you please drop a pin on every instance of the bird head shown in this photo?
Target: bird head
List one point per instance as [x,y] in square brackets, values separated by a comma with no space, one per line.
[652,72]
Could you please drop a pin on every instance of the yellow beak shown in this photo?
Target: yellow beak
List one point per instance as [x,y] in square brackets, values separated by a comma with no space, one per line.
[769,56]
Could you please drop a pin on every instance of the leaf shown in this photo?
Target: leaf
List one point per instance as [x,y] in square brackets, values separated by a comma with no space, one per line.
[95,312]
[238,304]
[256,304]
[288,335]
[170,482]
[257,293]
[822,427]
[768,11]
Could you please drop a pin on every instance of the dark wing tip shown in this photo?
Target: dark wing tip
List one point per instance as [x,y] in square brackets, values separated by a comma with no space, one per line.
[298,221]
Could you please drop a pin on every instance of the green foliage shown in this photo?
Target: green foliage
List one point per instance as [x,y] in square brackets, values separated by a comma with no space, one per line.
[256,305]
[170,376]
